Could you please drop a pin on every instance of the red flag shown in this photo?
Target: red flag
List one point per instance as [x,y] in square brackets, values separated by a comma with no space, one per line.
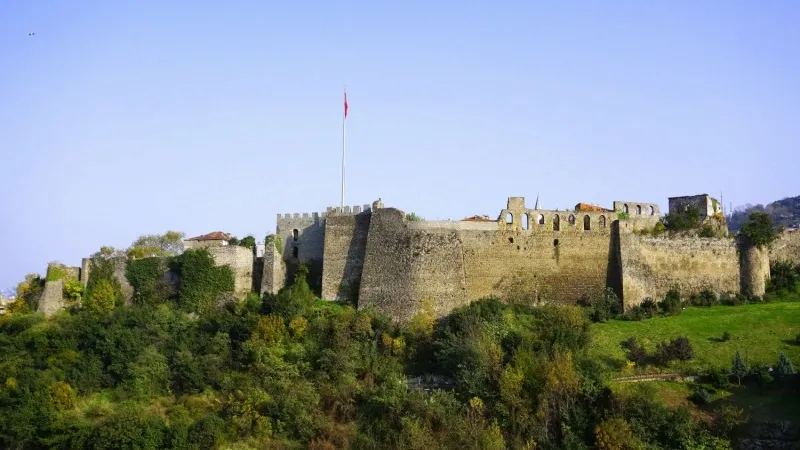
[345,103]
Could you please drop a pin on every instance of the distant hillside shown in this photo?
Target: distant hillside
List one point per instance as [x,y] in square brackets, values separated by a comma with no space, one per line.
[784,213]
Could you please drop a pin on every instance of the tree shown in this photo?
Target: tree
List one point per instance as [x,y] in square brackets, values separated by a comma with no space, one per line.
[248,241]
[784,366]
[167,244]
[739,368]
[413,217]
[28,292]
[102,298]
[108,251]
[760,229]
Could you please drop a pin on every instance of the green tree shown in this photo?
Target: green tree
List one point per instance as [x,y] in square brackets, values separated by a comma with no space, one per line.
[28,291]
[739,368]
[760,229]
[107,251]
[784,366]
[248,241]
[413,217]
[167,244]
[102,298]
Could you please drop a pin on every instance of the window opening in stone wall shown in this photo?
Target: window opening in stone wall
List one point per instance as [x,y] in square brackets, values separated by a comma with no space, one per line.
[511,240]
[509,218]
[524,221]
[638,210]
[602,221]
[556,223]
[295,233]
[625,209]
[540,219]
[652,211]
[555,242]
[571,219]
[587,223]
[295,252]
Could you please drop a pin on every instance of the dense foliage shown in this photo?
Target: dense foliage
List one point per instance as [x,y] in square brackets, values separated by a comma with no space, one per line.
[289,371]
[784,213]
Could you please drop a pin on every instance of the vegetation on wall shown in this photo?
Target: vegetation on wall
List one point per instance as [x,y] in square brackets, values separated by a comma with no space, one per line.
[203,284]
[686,220]
[103,288]
[55,271]
[760,229]
[149,245]
[413,217]
[248,241]
[270,238]
[149,280]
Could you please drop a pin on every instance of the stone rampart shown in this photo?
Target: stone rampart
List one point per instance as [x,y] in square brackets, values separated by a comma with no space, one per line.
[273,277]
[653,265]
[787,247]
[240,259]
[345,245]
[52,297]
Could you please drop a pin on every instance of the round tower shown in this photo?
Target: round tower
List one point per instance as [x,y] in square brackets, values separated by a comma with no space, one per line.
[753,267]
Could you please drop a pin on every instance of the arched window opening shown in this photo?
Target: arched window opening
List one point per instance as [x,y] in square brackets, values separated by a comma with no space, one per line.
[625,209]
[540,219]
[638,210]
[587,223]
[652,211]
[556,223]
[602,221]
[524,221]
[571,219]
[295,233]
[509,218]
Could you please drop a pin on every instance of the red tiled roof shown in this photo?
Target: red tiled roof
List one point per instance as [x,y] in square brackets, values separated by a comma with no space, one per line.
[477,219]
[588,207]
[215,236]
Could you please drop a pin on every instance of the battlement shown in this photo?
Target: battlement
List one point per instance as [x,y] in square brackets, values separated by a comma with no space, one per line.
[357,209]
[313,215]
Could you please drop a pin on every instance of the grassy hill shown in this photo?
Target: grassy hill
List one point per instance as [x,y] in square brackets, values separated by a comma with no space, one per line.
[785,212]
[760,332]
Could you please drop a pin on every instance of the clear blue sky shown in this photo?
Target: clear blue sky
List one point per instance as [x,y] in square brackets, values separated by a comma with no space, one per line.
[121,118]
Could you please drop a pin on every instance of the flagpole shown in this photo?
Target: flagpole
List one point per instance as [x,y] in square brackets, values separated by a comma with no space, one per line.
[344,123]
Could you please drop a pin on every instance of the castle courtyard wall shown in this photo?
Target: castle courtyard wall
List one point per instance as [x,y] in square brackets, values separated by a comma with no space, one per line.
[240,259]
[345,246]
[786,247]
[653,265]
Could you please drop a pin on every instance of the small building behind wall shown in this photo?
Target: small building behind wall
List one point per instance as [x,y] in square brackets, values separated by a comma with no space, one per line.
[214,239]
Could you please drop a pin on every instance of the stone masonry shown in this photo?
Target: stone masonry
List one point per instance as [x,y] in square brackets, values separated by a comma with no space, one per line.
[373,255]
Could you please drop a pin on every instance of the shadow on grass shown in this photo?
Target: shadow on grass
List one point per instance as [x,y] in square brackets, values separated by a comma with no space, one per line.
[792,342]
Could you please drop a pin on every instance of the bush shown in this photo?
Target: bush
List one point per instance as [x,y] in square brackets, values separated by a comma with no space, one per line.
[759,229]
[719,378]
[636,351]
[707,297]
[636,313]
[605,306]
[650,307]
[726,337]
[784,277]
[671,305]
[700,396]
[784,366]
[763,374]
[677,349]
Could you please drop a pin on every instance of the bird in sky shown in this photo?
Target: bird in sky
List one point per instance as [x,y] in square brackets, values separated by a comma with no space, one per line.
[31,34]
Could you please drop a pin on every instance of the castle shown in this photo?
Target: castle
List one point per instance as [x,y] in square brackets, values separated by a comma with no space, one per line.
[376,256]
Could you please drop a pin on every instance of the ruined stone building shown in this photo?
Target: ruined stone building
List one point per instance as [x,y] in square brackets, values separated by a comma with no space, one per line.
[374,255]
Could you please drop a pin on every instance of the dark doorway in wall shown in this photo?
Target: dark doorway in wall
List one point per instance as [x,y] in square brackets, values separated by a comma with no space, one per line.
[295,233]
[295,252]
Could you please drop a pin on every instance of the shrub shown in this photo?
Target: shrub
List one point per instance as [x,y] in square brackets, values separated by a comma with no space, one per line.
[784,277]
[605,306]
[797,339]
[719,378]
[650,307]
[763,374]
[636,313]
[636,351]
[759,229]
[677,349]
[671,305]
[739,368]
[707,297]
[726,337]
[700,396]
[784,366]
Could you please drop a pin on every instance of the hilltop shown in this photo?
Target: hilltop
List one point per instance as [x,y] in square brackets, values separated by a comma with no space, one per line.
[785,213]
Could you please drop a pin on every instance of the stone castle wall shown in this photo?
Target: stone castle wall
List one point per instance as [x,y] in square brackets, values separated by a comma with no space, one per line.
[652,265]
[273,277]
[345,245]
[241,261]
[787,247]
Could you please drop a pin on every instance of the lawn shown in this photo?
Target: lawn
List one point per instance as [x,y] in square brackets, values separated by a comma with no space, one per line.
[760,332]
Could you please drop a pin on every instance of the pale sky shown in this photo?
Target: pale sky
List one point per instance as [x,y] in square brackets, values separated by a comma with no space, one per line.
[120,118]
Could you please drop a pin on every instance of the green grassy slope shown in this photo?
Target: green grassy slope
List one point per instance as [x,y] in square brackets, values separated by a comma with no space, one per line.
[760,332]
